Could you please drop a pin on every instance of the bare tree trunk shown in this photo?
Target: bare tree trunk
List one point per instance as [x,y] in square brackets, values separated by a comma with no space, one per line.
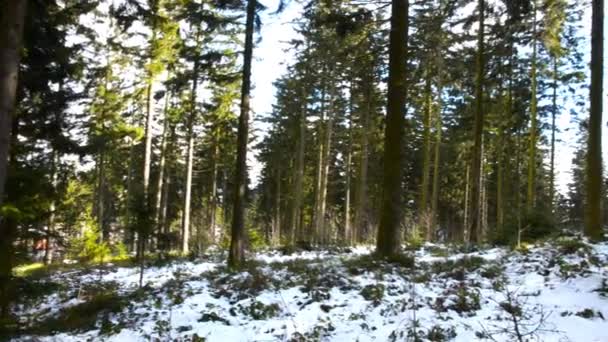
[347,238]
[324,179]
[189,162]
[48,252]
[361,189]
[593,226]
[553,131]
[466,203]
[424,220]
[237,243]
[531,199]
[11,40]
[12,17]
[213,194]
[301,146]
[389,239]
[478,130]
[316,220]
[435,191]
[161,172]
[276,231]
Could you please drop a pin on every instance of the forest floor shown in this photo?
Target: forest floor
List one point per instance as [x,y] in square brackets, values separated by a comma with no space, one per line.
[554,291]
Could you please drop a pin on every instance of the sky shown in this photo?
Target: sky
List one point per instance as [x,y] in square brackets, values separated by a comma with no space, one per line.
[271,57]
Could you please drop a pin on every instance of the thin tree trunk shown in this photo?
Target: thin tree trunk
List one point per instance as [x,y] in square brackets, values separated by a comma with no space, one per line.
[347,238]
[478,130]
[435,192]
[276,231]
[143,233]
[237,243]
[466,203]
[593,226]
[553,133]
[500,180]
[531,198]
[161,170]
[48,252]
[324,179]
[301,146]
[426,163]
[361,190]
[189,162]
[213,194]
[389,240]
[319,177]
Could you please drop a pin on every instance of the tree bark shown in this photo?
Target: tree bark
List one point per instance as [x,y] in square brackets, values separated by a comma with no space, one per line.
[389,239]
[478,131]
[213,194]
[531,198]
[360,223]
[237,243]
[189,162]
[301,146]
[435,192]
[12,18]
[11,41]
[553,133]
[161,170]
[424,219]
[593,222]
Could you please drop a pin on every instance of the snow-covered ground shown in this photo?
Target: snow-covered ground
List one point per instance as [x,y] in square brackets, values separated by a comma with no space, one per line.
[552,292]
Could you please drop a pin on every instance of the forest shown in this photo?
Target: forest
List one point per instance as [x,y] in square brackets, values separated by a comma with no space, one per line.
[427,171]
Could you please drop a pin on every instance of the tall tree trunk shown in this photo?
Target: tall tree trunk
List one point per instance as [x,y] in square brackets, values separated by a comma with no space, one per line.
[11,40]
[389,240]
[276,229]
[324,178]
[504,122]
[347,238]
[48,251]
[531,198]
[424,219]
[237,243]
[12,17]
[161,170]
[213,194]
[143,229]
[316,219]
[435,192]
[478,131]
[360,223]
[593,222]
[189,162]
[301,146]
[467,188]
[553,133]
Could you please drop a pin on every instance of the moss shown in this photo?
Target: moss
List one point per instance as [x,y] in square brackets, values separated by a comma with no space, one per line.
[491,272]
[82,317]
[440,334]
[373,293]
[572,246]
[260,311]
[590,314]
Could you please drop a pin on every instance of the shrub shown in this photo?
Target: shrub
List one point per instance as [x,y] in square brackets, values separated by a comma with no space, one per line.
[571,246]
[89,248]
[373,293]
[260,311]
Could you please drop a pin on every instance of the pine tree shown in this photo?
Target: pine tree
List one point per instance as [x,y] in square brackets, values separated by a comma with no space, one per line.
[389,230]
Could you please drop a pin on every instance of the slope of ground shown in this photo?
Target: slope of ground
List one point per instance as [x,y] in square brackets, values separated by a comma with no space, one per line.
[549,292]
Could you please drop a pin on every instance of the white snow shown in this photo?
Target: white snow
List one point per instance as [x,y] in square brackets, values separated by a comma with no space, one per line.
[318,296]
